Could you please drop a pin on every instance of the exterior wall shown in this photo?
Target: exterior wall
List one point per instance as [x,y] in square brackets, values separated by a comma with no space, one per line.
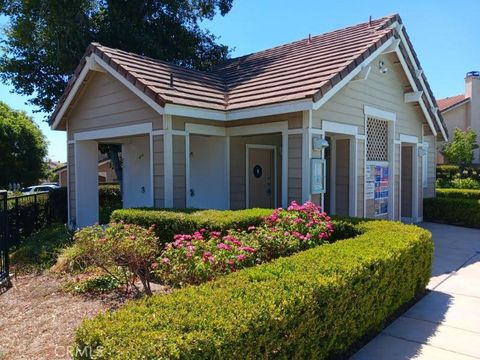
[295,168]
[429,190]
[179,172]
[158,172]
[71,181]
[384,92]
[62,177]
[104,103]
[107,169]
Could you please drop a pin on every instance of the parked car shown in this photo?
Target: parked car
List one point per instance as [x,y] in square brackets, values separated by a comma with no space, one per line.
[38,188]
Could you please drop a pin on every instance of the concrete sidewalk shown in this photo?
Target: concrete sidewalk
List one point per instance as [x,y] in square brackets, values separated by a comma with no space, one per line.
[445,324]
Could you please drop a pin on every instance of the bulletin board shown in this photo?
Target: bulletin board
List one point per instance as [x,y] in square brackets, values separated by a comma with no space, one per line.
[377,187]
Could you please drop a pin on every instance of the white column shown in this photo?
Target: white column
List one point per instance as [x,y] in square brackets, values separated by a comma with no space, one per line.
[306,154]
[86,182]
[284,168]
[168,160]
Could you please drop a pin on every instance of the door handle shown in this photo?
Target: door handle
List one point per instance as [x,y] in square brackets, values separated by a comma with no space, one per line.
[192,193]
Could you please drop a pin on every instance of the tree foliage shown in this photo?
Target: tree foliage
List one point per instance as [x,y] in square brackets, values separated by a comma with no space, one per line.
[460,150]
[22,148]
[45,39]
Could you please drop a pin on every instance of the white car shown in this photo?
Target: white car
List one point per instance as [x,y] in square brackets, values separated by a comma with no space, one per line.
[39,188]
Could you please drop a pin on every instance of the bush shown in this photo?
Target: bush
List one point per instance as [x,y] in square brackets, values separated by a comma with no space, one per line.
[180,221]
[193,259]
[40,250]
[129,247]
[463,212]
[98,284]
[449,176]
[458,193]
[464,183]
[314,304]
[109,199]
[59,204]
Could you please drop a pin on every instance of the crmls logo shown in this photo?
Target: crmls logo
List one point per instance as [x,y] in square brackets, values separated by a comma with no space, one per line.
[85,352]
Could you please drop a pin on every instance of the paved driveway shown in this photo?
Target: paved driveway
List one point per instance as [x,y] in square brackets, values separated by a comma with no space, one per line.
[445,324]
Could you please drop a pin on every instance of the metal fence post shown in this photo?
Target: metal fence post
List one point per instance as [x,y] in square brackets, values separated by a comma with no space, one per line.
[4,241]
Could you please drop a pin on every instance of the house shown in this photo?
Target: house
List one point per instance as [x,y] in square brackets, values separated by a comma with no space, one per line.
[106,173]
[345,119]
[463,111]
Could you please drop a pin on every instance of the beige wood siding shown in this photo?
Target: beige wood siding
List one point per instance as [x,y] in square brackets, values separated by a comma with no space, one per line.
[71,180]
[238,166]
[158,172]
[104,103]
[295,168]
[342,177]
[179,173]
[360,176]
[429,191]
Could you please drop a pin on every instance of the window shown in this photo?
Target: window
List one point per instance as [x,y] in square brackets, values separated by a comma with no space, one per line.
[377,140]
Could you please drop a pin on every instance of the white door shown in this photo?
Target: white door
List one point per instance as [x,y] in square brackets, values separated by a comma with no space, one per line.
[208,173]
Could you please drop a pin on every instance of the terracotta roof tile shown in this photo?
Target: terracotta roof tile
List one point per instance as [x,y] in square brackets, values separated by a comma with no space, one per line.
[294,71]
[304,69]
[445,104]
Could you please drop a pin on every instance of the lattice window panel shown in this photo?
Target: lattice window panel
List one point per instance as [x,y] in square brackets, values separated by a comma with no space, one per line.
[377,140]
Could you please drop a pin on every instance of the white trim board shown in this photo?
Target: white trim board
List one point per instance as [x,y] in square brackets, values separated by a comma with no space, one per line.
[408,139]
[339,128]
[374,112]
[119,131]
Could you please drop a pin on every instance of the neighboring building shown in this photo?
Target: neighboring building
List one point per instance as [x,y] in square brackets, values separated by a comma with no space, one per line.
[253,131]
[463,111]
[106,173]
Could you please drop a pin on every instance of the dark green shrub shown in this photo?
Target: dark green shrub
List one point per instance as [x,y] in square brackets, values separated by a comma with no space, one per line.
[40,250]
[463,212]
[312,305]
[458,193]
[171,222]
[98,284]
[109,199]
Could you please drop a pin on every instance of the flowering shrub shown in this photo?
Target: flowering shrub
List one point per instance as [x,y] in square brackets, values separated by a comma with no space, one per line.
[193,259]
[129,247]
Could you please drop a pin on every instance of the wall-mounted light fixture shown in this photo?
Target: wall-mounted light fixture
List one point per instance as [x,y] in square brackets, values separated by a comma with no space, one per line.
[381,66]
[319,143]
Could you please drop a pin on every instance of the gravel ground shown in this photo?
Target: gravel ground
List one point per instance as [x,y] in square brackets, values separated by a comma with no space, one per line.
[38,320]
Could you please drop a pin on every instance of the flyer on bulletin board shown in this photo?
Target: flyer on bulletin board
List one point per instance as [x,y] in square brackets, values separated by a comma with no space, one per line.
[381,189]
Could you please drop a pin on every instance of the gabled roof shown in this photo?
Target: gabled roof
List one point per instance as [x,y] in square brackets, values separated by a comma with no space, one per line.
[302,70]
[451,101]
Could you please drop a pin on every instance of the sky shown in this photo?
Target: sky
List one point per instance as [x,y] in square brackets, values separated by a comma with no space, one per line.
[445,35]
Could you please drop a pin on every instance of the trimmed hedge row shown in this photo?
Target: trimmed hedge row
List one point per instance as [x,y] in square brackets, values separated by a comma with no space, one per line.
[169,222]
[314,304]
[458,193]
[462,212]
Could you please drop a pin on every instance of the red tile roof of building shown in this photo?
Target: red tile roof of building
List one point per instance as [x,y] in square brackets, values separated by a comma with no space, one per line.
[447,103]
[304,69]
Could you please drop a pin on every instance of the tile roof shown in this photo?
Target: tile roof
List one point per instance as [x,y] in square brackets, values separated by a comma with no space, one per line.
[447,103]
[304,69]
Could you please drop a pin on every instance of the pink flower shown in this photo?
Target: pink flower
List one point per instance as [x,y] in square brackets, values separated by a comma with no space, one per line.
[215,234]
[166,260]
[247,249]
[251,227]
[202,230]
[298,220]
[223,246]
[133,237]
[241,257]
[154,265]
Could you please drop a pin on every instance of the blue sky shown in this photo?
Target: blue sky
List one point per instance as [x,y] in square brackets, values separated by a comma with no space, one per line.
[445,35]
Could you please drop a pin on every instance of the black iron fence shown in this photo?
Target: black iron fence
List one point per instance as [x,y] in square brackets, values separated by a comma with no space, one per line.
[4,239]
[22,215]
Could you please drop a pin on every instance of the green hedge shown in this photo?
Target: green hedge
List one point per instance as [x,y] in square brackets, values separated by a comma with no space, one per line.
[463,212]
[314,304]
[458,193]
[169,222]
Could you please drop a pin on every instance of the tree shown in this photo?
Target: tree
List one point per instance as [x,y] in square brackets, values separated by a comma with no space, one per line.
[45,39]
[460,150]
[22,148]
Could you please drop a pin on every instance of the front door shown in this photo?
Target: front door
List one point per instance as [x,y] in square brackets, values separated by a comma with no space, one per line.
[342,177]
[261,177]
